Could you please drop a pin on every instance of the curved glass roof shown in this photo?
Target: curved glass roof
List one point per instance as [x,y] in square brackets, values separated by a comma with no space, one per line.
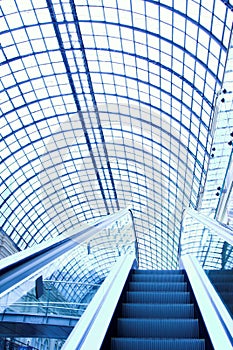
[107,105]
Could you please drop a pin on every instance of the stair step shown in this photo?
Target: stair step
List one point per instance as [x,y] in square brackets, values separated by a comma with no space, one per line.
[158,297]
[157,344]
[157,310]
[159,328]
[156,278]
[158,286]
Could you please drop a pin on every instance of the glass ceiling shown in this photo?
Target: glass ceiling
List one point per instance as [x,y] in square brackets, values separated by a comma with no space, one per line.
[217,199]
[107,105]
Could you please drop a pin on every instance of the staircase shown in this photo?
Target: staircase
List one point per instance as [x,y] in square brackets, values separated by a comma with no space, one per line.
[156,313]
[222,280]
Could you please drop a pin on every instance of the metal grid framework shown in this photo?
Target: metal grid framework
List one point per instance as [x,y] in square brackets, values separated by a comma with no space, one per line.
[107,105]
[212,251]
[220,177]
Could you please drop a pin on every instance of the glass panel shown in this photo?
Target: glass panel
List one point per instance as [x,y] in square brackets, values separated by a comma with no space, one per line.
[74,275]
[64,288]
[214,254]
[106,106]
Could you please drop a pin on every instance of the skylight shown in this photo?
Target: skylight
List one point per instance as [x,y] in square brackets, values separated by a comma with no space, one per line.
[107,105]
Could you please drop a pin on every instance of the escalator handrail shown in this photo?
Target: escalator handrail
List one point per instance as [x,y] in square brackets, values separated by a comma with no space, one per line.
[220,229]
[217,319]
[91,329]
[17,267]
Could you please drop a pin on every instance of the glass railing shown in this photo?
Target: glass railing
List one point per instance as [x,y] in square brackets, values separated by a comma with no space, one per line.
[8,344]
[65,286]
[51,302]
[211,243]
[90,331]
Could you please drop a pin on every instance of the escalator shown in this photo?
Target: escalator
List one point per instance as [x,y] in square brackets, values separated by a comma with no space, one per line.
[222,280]
[156,311]
[132,309]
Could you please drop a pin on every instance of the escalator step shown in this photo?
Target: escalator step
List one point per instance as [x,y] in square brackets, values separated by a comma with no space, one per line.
[156,278]
[158,297]
[158,272]
[219,272]
[157,310]
[230,308]
[150,286]
[227,296]
[158,328]
[157,344]
[221,278]
[223,286]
